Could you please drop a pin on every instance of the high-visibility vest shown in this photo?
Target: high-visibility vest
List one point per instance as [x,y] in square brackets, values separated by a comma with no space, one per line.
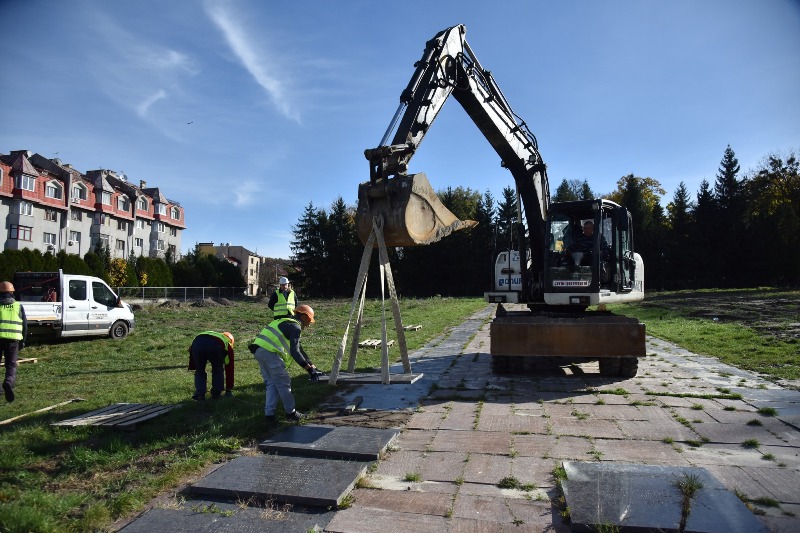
[285,306]
[10,321]
[225,340]
[273,340]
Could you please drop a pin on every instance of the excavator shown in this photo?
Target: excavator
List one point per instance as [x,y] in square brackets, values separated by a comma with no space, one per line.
[572,255]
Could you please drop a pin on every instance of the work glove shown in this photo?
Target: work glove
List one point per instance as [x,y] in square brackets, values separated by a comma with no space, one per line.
[314,374]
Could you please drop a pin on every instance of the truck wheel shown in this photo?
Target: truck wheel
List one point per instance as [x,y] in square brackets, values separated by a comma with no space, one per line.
[628,366]
[119,330]
[609,366]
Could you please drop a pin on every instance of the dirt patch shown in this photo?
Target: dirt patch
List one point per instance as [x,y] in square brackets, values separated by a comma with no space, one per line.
[770,312]
[208,302]
[170,304]
[367,418]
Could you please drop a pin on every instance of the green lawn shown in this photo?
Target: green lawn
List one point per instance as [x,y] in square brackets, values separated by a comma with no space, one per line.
[80,479]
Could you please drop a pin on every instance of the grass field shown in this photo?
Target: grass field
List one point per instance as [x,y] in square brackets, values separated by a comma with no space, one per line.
[84,478]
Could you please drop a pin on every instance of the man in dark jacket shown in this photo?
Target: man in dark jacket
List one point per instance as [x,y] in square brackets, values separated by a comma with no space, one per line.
[13,331]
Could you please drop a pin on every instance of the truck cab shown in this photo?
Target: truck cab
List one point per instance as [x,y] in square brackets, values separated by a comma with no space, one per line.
[71,305]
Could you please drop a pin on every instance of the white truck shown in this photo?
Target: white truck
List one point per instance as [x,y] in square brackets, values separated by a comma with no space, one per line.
[69,305]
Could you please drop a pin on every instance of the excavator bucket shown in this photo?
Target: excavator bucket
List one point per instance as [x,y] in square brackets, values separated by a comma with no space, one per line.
[411,212]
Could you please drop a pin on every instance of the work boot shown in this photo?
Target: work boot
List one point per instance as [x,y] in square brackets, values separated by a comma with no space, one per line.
[294,416]
[228,393]
[9,391]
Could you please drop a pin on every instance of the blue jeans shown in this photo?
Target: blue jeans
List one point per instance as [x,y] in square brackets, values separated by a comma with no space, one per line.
[207,349]
[277,380]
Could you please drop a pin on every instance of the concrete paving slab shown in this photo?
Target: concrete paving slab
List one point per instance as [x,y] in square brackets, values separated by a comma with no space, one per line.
[595,428]
[413,439]
[533,470]
[782,483]
[668,429]
[483,468]
[736,479]
[443,466]
[513,423]
[533,445]
[401,462]
[725,454]
[226,517]
[373,378]
[367,520]
[736,433]
[334,442]
[788,456]
[575,448]
[295,480]
[493,442]
[485,508]
[403,501]
[657,453]
[646,497]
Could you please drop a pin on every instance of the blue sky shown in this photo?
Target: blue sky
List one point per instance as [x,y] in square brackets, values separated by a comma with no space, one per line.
[245,111]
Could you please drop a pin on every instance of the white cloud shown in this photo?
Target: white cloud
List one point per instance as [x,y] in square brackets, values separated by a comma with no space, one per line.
[246,193]
[256,62]
[144,106]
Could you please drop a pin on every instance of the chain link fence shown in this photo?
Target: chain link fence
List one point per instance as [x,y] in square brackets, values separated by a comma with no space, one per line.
[143,295]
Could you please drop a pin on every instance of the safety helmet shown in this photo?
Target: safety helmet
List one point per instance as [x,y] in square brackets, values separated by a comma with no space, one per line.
[6,286]
[283,280]
[306,310]
[230,336]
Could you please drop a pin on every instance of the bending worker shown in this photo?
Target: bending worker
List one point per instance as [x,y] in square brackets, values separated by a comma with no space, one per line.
[283,301]
[13,330]
[274,348]
[217,349]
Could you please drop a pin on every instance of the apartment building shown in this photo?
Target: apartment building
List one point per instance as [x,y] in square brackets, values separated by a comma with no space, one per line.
[249,263]
[49,206]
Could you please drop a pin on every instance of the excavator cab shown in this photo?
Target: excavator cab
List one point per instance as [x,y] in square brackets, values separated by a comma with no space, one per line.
[590,257]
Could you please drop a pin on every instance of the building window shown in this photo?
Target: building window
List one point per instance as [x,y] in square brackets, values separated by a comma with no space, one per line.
[52,190]
[140,223]
[24,181]
[141,204]
[75,236]
[75,215]
[162,209]
[123,204]
[25,208]
[105,197]
[171,248]
[121,246]
[176,213]
[103,219]
[22,233]
[51,215]
[50,238]
[173,232]
[160,245]
[139,243]
[103,239]
[160,227]
[122,225]
[78,193]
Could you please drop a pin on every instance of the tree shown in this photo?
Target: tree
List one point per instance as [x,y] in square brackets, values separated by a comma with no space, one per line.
[506,217]
[571,190]
[118,272]
[703,231]
[679,259]
[730,214]
[309,252]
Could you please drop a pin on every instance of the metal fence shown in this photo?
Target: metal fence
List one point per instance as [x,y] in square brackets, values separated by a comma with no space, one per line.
[183,294]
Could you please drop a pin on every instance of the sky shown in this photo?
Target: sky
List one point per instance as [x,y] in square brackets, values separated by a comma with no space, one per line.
[246,112]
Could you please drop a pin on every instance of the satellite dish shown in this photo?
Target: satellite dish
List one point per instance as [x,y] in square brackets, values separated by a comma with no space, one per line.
[71,243]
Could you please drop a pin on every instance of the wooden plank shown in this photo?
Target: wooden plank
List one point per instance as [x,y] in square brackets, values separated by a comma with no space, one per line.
[412,328]
[374,343]
[20,361]
[119,415]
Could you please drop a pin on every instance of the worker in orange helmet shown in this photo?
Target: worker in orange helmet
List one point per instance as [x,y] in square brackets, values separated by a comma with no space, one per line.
[217,349]
[274,348]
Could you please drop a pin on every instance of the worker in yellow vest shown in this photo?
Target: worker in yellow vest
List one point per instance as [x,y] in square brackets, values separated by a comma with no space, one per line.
[274,348]
[283,301]
[13,331]
[217,349]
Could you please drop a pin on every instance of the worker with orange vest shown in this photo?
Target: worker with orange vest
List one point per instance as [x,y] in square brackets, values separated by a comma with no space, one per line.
[13,330]
[217,349]
[274,348]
